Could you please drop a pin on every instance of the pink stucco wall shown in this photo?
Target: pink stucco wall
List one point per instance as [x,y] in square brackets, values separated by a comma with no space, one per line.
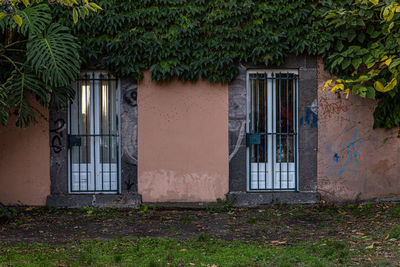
[25,162]
[354,162]
[182,141]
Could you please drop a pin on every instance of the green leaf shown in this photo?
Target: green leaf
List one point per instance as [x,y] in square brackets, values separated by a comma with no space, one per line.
[361,37]
[54,56]
[17,87]
[339,46]
[346,63]
[4,105]
[75,15]
[94,5]
[2,15]
[356,63]
[18,20]
[379,86]
[26,2]
[35,18]
[370,92]
[391,25]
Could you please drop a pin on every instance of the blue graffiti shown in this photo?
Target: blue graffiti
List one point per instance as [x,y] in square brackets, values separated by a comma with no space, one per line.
[336,157]
[351,156]
[310,119]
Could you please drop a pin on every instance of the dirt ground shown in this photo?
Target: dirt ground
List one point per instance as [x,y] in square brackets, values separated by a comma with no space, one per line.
[278,224]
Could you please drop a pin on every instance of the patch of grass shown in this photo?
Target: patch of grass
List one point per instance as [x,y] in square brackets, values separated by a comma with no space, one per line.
[252,220]
[12,212]
[188,219]
[203,237]
[333,250]
[224,206]
[161,252]
[366,210]
[395,232]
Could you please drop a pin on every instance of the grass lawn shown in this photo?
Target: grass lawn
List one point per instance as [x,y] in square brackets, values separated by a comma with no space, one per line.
[203,251]
[366,235]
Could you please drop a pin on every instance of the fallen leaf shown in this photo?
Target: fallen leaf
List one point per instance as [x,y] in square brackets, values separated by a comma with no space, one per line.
[370,246]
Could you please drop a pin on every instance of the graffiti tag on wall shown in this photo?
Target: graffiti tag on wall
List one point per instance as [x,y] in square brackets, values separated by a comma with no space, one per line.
[330,107]
[346,161]
[57,132]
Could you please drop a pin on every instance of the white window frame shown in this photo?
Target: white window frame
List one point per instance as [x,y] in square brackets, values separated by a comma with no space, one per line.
[96,74]
[271,152]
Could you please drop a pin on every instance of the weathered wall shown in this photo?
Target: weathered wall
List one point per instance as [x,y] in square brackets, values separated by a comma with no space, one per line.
[25,163]
[182,141]
[129,148]
[354,162]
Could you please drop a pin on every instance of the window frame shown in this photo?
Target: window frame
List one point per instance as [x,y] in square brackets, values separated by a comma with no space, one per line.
[269,72]
[96,74]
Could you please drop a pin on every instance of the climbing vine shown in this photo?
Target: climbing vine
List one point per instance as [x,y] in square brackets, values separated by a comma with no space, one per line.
[366,55]
[209,39]
[199,39]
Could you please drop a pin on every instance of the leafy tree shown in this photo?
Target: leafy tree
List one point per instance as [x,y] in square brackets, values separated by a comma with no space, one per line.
[366,55]
[37,56]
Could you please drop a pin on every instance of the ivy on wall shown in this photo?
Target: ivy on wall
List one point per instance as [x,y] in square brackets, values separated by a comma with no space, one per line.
[208,39]
[366,55]
[204,39]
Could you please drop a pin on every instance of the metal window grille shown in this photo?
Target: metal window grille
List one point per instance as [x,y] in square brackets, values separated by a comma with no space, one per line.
[93,138]
[272,131]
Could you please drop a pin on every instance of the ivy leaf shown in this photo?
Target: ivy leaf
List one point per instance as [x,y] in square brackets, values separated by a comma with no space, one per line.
[370,92]
[75,15]
[346,63]
[356,63]
[339,46]
[361,38]
[391,25]
[379,86]
[18,20]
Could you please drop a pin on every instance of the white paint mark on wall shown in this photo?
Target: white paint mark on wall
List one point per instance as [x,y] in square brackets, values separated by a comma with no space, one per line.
[239,140]
[314,107]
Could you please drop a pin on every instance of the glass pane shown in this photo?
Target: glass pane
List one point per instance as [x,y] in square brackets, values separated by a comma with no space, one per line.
[108,120]
[285,106]
[81,120]
[258,116]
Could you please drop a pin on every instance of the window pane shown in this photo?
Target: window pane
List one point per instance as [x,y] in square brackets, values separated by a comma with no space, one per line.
[81,121]
[108,123]
[285,106]
[259,123]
